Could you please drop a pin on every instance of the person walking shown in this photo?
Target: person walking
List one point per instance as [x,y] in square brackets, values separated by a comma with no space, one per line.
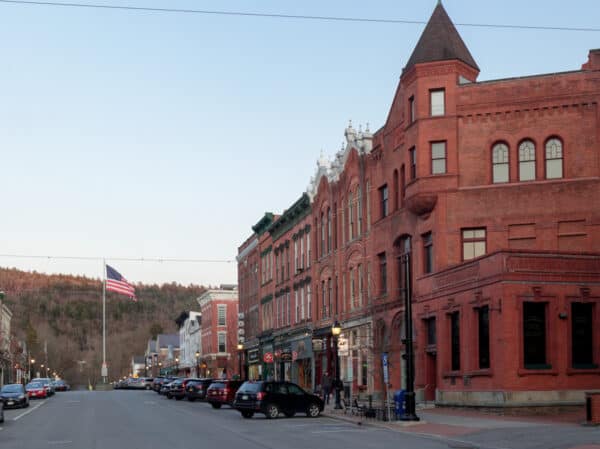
[326,386]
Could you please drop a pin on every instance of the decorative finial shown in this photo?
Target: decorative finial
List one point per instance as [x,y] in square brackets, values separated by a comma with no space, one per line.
[367,128]
[360,128]
[350,123]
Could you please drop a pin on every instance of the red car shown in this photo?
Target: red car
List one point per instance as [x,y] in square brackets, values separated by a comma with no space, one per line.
[222,392]
[36,390]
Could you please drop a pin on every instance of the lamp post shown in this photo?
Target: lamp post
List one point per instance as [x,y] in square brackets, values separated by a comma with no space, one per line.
[159,368]
[177,365]
[336,330]
[410,413]
[197,365]
[240,348]
[32,362]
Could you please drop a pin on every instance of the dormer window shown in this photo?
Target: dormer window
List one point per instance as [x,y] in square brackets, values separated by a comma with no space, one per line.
[437,102]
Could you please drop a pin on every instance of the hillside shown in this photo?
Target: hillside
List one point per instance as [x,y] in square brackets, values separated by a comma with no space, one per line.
[66,312]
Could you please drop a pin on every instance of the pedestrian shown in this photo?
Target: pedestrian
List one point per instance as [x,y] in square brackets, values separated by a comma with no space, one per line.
[326,387]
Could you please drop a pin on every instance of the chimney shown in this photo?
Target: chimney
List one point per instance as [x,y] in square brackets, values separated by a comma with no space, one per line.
[593,62]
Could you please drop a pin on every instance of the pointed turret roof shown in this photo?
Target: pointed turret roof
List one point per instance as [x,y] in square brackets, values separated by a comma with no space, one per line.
[440,41]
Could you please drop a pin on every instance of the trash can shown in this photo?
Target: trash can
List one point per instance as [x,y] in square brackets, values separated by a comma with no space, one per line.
[399,402]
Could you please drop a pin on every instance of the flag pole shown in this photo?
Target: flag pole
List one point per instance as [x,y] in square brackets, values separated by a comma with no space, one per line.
[104,371]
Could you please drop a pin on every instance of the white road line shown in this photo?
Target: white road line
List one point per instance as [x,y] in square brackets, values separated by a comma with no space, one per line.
[339,431]
[29,411]
[60,442]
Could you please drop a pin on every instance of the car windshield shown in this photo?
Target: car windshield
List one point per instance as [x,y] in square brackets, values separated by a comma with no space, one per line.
[12,389]
[34,385]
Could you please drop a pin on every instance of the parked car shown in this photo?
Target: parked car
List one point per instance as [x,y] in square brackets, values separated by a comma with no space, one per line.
[166,385]
[272,398]
[47,383]
[222,392]
[1,412]
[146,382]
[156,383]
[61,385]
[178,388]
[14,395]
[196,389]
[36,390]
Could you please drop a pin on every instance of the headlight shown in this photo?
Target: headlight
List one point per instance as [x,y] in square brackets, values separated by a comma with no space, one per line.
[22,396]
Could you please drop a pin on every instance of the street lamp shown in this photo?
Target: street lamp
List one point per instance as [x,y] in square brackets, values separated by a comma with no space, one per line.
[240,348]
[32,362]
[410,413]
[177,365]
[197,366]
[336,330]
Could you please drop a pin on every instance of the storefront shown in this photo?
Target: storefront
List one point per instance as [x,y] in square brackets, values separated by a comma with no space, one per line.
[268,363]
[302,366]
[254,363]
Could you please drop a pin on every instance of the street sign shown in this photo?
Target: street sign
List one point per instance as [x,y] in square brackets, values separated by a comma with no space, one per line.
[384,361]
[268,357]
[104,370]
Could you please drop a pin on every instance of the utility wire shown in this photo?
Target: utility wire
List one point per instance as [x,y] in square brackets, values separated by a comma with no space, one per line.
[288,16]
[121,259]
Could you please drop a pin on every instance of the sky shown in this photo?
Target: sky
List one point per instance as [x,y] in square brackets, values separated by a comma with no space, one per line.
[160,135]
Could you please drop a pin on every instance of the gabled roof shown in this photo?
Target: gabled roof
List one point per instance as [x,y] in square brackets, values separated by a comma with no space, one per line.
[440,41]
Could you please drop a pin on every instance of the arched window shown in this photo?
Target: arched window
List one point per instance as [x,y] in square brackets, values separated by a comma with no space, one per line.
[500,171]
[350,216]
[402,184]
[395,193]
[329,225]
[527,161]
[554,159]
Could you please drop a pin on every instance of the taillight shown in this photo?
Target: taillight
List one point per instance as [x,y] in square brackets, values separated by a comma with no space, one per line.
[260,395]
[225,390]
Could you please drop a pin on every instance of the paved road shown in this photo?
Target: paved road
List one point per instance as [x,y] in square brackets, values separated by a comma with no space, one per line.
[144,420]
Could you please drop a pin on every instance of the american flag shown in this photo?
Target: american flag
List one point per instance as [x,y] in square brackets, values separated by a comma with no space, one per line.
[117,283]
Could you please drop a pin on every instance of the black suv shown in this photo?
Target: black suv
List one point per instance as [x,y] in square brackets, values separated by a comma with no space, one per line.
[196,389]
[273,398]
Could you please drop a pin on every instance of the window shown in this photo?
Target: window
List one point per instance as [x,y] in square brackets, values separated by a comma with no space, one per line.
[359,210]
[383,197]
[296,256]
[431,333]
[483,321]
[455,341]
[437,99]
[222,337]
[308,249]
[534,335]
[295,390]
[500,171]
[323,298]
[411,109]
[554,159]
[329,225]
[350,216]
[221,314]
[438,158]
[302,258]
[427,253]
[360,285]
[368,185]
[473,243]
[308,302]
[527,161]
[329,296]
[322,234]
[352,290]
[582,335]
[413,163]
[297,306]
[382,273]
[289,309]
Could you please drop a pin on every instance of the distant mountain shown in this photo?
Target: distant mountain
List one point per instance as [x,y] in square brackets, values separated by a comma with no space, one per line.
[66,312]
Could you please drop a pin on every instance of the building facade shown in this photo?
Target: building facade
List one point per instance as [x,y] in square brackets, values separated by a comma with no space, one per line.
[219,338]
[476,201]
[189,324]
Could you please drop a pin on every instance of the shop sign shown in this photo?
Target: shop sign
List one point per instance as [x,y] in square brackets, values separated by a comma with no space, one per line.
[253,356]
[342,346]
[268,357]
[302,348]
[286,355]
[317,345]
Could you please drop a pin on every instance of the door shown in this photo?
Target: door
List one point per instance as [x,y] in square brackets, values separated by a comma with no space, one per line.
[297,398]
[431,376]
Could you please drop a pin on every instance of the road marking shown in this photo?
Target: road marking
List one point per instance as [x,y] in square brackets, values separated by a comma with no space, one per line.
[339,430]
[29,411]
[60,442]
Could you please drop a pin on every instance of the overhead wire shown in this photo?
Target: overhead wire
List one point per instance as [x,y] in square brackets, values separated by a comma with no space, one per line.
[120,259]
[149,9]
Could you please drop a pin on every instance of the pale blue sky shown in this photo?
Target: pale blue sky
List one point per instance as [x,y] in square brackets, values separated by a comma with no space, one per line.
[168,135]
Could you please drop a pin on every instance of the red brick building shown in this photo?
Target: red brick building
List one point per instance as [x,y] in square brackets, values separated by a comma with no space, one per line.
[219,333]
[493,188]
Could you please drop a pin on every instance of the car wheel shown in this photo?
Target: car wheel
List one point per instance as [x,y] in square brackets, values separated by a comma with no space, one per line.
[313,410]
[289,414]
[272,411]
[247,414]
[191,399]
[147,388]
[215,405]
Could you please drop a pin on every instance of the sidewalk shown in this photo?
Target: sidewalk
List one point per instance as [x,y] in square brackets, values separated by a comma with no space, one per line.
[446,422]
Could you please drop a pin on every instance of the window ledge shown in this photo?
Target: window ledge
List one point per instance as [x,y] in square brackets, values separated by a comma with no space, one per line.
[451,374]
[591,369]
[480,373]
[543,370]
